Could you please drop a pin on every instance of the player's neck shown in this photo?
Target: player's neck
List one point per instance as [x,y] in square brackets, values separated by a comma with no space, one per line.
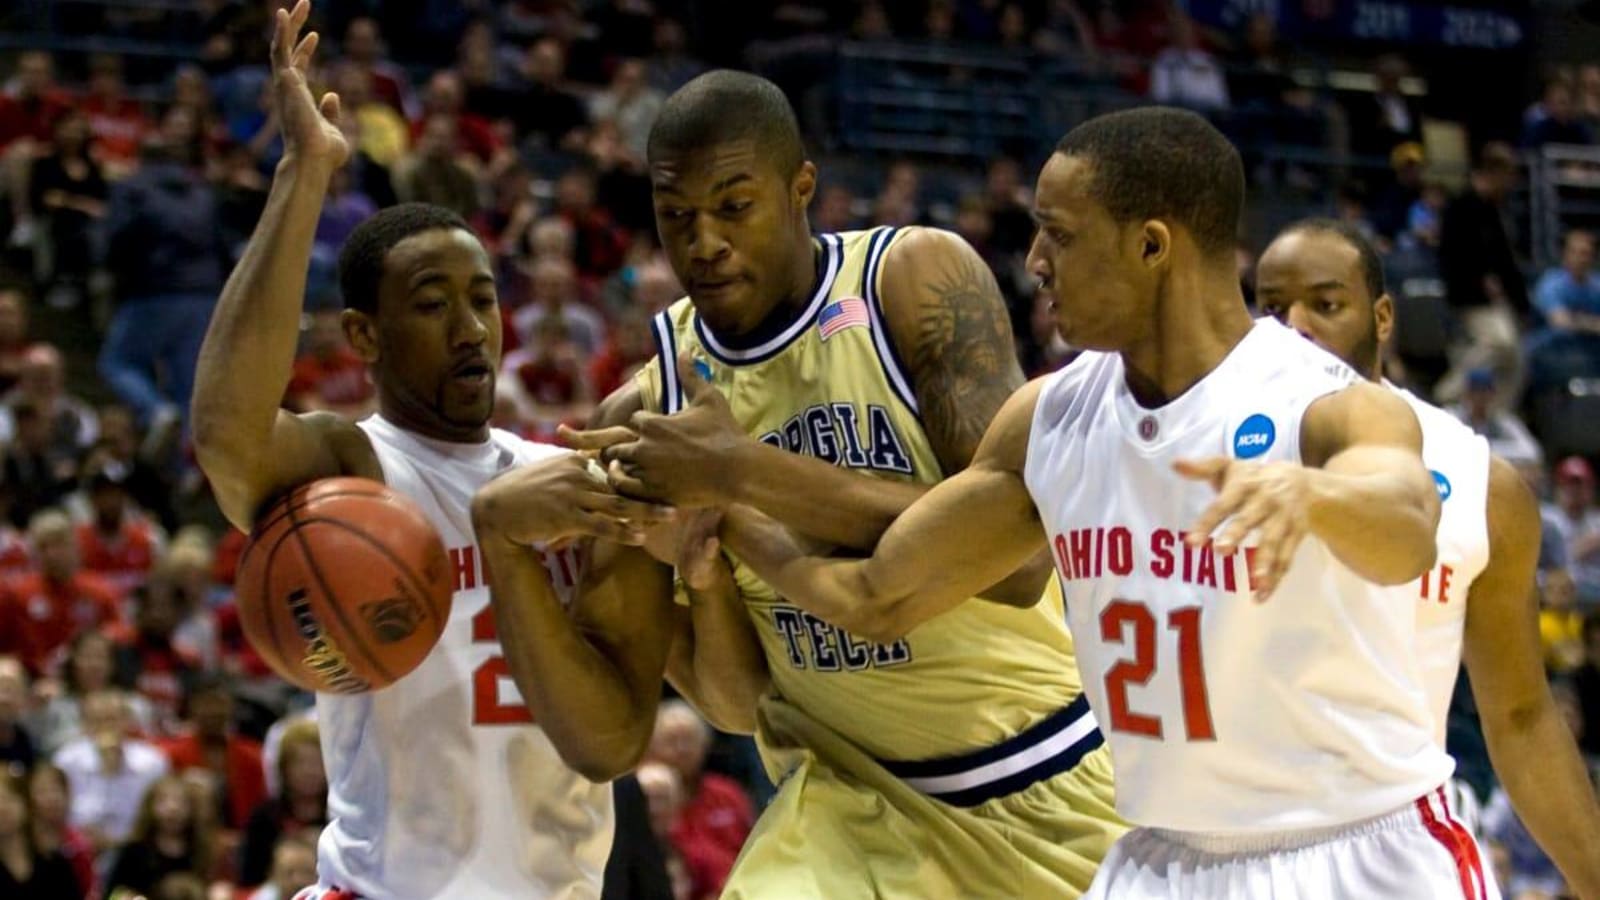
[399,417]
[1199,318]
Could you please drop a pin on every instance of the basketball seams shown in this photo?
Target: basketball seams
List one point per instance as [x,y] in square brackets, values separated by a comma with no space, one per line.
[327,595]
[418,584]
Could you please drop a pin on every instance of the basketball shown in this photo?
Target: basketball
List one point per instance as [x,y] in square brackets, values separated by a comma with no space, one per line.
[343,586]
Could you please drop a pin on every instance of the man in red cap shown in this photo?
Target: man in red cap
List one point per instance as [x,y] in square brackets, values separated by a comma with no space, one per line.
[1577,523]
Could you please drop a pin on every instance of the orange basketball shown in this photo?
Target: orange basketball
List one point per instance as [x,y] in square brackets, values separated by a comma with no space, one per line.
[344,586]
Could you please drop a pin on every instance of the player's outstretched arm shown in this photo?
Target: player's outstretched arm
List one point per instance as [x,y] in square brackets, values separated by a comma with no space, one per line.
[1530,745]
[591,675]
[248,448]
[1371,500]
[1362,490]
[716,659]
[964,534]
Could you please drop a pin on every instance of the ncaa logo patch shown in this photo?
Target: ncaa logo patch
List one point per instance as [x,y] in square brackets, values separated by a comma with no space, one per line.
[702,368]
[1254,437]
[1442,483]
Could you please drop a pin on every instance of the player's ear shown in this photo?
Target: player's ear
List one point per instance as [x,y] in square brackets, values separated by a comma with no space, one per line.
[362,333]
[1155,243]
[804,185]
[1383,318]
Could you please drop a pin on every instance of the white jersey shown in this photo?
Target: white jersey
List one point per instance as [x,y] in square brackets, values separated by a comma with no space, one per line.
[1459,461]
[1224,715]
[440,785]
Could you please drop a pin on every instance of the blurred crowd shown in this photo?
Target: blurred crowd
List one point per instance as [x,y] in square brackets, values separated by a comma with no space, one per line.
[147,750]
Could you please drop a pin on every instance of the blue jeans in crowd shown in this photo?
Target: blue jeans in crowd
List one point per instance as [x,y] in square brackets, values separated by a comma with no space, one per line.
[150,352]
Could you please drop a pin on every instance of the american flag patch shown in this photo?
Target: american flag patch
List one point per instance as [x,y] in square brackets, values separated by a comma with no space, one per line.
[850,312]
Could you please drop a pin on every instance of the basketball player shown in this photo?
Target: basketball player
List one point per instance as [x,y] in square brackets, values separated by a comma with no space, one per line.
[830,380]
[442,784]
[1323,278]
[1220,496]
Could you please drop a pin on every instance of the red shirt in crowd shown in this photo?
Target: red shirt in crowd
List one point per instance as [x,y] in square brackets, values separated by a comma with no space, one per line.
[710,830]
[39,616]
[35,118]
[15,558]
[334,381]
[610,368]
[161,670]
[118,125]
[124,557]
[474,135]
[245,783]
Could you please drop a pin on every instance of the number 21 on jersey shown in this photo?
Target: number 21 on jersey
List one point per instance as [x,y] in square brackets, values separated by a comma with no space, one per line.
[1131,624]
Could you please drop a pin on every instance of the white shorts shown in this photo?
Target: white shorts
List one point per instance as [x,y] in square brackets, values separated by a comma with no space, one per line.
[1418,852]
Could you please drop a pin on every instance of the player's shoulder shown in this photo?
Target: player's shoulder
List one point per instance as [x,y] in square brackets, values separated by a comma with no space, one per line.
[1437,424]
[1077,388]
[1277,351]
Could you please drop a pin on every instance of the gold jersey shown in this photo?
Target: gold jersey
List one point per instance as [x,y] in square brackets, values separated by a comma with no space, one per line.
[830,385]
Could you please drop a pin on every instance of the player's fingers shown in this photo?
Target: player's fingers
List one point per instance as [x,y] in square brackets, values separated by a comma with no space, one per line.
[330,107]
[1213,469]
[605,526]
[595,439]
[299,14]
[305,50]
[1227,503]
[695,385]
[699,564]
[1249,517]
[623,482]
[282,39]
[635,511]
[1272,556]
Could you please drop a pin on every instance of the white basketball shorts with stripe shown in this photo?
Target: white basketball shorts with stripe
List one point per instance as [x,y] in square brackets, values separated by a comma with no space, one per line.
[1418,852]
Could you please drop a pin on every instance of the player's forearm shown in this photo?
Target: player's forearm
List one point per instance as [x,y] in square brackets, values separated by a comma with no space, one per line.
[1377,510]
[1544,775]
[717,660]
[857,509]
[246,360]
[576,693]
[834,590]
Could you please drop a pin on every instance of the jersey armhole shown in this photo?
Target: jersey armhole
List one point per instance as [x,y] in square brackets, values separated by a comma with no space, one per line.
[894,368]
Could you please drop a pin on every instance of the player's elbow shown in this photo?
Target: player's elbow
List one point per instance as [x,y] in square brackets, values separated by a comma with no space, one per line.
[602,762]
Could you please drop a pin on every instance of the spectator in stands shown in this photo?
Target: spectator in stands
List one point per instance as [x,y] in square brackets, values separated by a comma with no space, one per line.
[1508,437]
[600,244]
[1186,73]
[38,474]
[31,103]
[48,803]
[328,375]
[1568,295]
[717,815]
[25,870]
[471,136]
[1560,622]
[168,254]
[433,173]
[1587,682]
[294,867]
[67,195]
[547,379]
[1576,521]
[43,610]
[117,121]
[144,461]
[546,112]
[90,668]
[671,67]
[41,383]
[363,49]
[1587,100]
[834,210]
[299,804]
[630,345]
[107,771]
[13,334]
[170,836]
[554,289]
[189,562]
[117,541]
[17,750]
[1386,118]
[621,185]
[212,744]
[1559,122]
[504,225]
[1392,203]
[630,102]
[381,134]
[663,795]
[151,660]
[1483,281]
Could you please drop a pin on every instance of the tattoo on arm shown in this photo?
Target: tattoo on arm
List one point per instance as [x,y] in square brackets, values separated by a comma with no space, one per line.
[964,361]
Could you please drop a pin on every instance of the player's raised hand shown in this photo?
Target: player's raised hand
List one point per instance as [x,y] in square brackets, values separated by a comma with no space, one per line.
[310,127]
[687,459]
[1268,499]
[559,499]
